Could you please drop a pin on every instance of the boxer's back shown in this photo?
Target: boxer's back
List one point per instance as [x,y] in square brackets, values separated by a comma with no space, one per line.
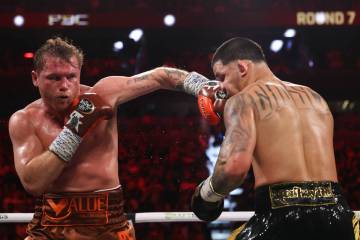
[294,129]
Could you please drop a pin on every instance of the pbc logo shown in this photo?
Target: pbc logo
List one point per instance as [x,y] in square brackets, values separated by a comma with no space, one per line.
[68,19]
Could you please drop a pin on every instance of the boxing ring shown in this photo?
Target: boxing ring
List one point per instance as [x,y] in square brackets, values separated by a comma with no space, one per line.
[150,217]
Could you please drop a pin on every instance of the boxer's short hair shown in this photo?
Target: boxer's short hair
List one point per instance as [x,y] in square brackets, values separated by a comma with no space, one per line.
[238,48]
[57,47]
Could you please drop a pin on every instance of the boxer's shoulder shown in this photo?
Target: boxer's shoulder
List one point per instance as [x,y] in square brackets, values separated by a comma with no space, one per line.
[240,99]
[20,124]
[25,117]
[238,108]
[109,88]
[27,112]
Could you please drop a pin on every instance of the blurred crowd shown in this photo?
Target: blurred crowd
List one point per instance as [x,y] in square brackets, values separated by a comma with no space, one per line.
[287,62]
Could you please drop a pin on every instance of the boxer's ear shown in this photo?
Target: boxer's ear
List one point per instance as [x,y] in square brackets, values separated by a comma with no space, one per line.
[35,78]
[243,67]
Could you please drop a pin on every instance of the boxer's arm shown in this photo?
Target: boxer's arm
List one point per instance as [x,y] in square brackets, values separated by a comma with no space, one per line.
[233,162]
[120,89]
[84,88]
[237,148]
[36,168]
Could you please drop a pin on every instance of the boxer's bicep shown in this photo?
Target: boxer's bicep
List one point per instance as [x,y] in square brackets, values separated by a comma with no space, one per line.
[119,89]
[240,136]
[26,144]
[237,148]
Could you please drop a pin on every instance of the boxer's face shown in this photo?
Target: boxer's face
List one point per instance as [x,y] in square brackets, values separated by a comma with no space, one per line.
[58,82]
[228,74]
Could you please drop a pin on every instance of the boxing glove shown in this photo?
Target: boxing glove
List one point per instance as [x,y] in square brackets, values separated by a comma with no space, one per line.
[205,210]
[89,108]
[211,101]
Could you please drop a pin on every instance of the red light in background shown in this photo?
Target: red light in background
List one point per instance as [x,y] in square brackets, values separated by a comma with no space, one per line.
[28,55]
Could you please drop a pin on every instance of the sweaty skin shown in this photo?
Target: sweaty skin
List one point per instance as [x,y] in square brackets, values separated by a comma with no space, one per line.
[95,163]
[284,130]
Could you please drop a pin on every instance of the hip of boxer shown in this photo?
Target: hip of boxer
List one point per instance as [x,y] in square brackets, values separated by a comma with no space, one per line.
[299,210]
[81,215]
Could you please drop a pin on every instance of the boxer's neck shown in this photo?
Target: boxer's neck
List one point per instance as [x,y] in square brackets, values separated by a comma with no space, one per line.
[57,115]
[260,71]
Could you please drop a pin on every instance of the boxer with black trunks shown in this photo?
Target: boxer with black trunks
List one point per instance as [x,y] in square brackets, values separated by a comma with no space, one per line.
[65,144]
[285,132]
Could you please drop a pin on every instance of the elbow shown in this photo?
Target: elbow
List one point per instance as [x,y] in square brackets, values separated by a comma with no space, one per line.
[161,77]
[238,168]
[34,191]
[235,175]
[32,187]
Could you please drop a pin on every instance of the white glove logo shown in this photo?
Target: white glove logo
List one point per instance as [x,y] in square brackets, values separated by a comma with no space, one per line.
[75,120]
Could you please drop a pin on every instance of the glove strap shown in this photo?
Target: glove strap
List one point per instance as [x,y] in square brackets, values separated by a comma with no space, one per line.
[208,193]
[65,144]
[194,82]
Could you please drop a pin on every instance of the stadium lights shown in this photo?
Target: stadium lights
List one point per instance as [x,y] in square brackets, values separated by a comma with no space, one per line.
[19,20]
[28,55]
[290,33]
[320,18]
[311,63]
[276,45]
[169,20]
[118,45]
[136,34]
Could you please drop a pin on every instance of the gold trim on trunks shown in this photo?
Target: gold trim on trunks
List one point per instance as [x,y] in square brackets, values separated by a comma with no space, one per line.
[236,232]
[355,222]
[301,194]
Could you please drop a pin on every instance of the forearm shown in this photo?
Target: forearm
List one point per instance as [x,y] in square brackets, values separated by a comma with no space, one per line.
[224,183]
[180,80]
[231,167]
[40,172]
[171,78]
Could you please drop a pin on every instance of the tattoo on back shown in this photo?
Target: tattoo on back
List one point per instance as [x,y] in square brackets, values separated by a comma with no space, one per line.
[268,98]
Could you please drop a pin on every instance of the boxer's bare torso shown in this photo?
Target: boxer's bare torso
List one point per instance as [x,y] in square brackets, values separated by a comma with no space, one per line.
[294,133]
[94,166]
[283,130]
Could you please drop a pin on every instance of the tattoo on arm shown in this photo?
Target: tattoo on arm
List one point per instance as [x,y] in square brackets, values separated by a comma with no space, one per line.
[142,81]
[238,140]
[142,77]
[177,76]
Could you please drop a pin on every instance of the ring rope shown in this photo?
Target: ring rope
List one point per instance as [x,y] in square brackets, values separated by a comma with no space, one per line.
[149,217]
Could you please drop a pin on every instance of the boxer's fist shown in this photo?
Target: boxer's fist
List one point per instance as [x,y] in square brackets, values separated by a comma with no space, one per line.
[204,210]
[211,100]
[88,109]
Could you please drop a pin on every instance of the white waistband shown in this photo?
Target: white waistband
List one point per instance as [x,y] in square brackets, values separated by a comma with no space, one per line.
[108,189]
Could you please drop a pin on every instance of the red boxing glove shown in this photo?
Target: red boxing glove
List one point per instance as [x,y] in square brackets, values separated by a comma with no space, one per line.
[211,100]
[88,109]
